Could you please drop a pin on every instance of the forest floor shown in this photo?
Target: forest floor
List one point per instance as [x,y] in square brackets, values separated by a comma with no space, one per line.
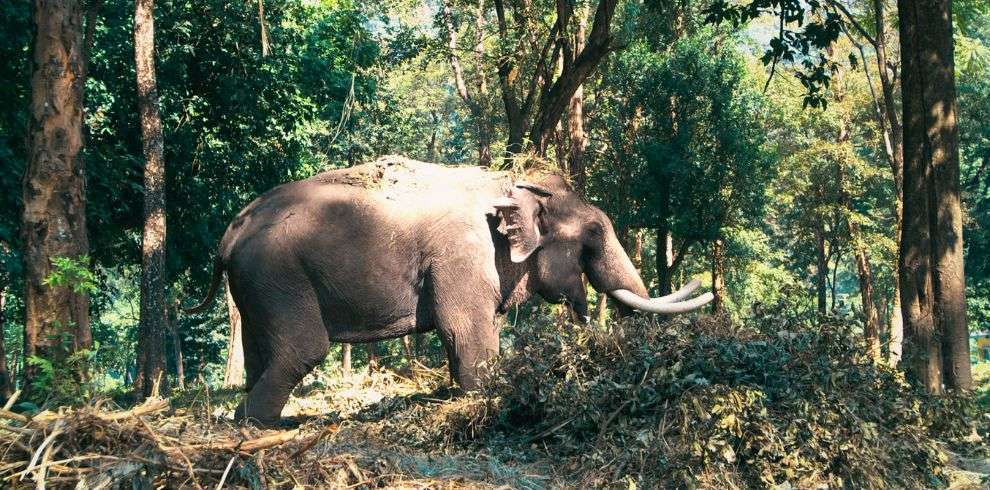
[408,430]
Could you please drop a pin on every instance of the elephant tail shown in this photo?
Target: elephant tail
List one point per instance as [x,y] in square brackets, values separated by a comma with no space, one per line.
[214,285]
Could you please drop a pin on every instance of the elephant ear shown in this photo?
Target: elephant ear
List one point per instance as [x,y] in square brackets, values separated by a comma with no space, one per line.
[520,211]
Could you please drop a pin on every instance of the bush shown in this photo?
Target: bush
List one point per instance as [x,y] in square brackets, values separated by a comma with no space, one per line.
[705,403]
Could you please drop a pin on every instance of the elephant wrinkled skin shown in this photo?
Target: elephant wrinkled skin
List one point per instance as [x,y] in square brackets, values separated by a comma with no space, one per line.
[397,246]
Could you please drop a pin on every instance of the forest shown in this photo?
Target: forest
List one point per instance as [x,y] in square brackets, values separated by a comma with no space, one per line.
[819,166]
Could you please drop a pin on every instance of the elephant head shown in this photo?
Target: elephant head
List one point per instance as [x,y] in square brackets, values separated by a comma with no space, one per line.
[546,222]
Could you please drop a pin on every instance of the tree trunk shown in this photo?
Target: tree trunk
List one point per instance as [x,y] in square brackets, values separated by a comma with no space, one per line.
[233,374]
[933,284]
[664,260]
[894,144]
[871,321]
[718,275]
[345,361]
[180,366]
[6,387]
[54,216]
[821,271]
[372,350]
[575,116]
[151,343]
[407,348]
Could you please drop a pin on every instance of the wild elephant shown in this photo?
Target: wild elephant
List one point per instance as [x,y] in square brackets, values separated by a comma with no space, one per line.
[398,246]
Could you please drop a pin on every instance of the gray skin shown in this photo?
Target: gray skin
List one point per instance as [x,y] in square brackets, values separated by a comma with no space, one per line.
[395,247]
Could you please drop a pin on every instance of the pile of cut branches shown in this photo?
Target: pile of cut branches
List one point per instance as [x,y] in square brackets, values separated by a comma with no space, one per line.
[157,445]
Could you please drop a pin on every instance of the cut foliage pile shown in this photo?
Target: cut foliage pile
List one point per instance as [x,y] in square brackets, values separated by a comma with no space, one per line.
[677,404]
[707,403]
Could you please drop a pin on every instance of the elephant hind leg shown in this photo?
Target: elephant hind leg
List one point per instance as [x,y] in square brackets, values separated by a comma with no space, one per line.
[288,361]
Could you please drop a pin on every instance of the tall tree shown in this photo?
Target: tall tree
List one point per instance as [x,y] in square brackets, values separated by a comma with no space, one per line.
[933,293]
[54,216]
[154,319]
[477,102]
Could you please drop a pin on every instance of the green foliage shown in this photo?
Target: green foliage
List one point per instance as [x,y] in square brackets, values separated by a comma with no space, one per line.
[65,381]
[805,29]
[73,273]
[698,133]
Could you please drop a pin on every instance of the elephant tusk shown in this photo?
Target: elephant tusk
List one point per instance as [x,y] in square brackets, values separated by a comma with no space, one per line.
[678,295]
[637,302]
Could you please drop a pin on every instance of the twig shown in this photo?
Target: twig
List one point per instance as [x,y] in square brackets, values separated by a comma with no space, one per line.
[226,472]
[7,414]
[312,442]
[12,400]
[170,450]
[48,440]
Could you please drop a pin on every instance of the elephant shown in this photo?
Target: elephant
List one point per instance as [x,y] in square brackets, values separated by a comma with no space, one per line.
[398,246]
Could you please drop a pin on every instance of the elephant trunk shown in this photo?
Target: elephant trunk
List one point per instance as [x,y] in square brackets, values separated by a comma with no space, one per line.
[615,274]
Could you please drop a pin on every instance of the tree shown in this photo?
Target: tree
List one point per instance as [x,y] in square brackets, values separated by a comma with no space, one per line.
[539,65]
[54,190]
[233,373]
[154,309]
[933,288]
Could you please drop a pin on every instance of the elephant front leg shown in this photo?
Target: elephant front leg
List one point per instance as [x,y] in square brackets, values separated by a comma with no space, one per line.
[470,336]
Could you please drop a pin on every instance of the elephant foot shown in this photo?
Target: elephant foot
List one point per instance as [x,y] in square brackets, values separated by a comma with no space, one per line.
[280,424]
[260,421]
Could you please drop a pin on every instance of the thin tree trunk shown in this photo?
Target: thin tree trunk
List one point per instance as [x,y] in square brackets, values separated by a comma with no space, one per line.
[895,155]
[345,361]
[6,387]
[821,271]
[151,343]
[54,215]
[664,260]
[871,321]
[718,275]
[180,365]
[407,348]
[372,350]
[575,115]
[233,374]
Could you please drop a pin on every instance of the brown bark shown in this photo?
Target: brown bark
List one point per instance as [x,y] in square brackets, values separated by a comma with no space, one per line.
[922,343]
[718,275]
[151,343]
[233,374]
[871,320]
[345,361]
[894,145]
[372,350]
[575,115]
[927,50]
[54,217]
